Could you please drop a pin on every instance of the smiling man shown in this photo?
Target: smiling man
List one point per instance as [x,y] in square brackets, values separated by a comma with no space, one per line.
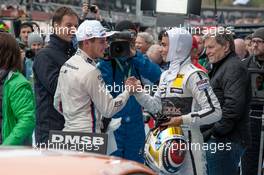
[81,94]
[229,80]
[46,69]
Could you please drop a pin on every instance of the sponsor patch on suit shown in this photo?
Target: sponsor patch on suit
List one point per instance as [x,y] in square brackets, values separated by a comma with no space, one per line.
[176,90]
[118,103]
[178,82]
[202,84]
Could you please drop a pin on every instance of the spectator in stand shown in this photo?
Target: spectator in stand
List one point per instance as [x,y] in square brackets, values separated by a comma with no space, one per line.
[17,104]
[240,47]
[143,41]
[25,29]
[248,43]
[154,54]
[203,60]
[46,67]
[194,55]
[92,12]
[255,61]
[35,43]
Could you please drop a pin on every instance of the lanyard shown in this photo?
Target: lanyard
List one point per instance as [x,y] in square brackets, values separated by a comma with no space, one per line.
[122,69]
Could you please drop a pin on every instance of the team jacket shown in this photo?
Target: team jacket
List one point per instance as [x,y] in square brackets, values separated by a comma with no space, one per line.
[81,95]
[192,87]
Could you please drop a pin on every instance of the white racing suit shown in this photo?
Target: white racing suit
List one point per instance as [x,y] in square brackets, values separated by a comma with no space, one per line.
[81,95]
[190,83]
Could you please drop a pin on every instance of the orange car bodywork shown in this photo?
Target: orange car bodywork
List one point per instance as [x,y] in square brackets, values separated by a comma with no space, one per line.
[33,162]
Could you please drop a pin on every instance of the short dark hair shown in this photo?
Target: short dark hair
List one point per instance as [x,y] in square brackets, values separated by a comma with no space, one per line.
[160,35]
[25,25]
[165,34]
[10,58]
[60,13]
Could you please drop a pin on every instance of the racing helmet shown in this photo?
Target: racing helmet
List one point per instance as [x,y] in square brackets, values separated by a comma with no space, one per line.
[165,150]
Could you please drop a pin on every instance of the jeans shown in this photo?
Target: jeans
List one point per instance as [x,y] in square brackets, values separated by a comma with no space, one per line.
[130,139]
[251,157]
[224,162]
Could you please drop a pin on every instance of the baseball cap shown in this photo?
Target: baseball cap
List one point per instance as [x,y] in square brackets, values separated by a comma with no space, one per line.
[91,29]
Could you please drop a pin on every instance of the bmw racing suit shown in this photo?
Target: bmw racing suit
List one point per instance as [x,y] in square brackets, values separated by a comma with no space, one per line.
[81,95]
[192,83]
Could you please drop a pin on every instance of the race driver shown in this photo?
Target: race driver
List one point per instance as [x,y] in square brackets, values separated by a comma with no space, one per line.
[188,86]
[81,95]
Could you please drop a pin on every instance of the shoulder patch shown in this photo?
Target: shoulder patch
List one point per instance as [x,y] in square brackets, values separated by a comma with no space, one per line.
[71,66]
[180,75]
[178,82]
[88,60]
[202,84]
[118,103]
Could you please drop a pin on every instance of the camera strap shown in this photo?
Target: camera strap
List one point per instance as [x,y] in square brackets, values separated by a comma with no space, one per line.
[126,75]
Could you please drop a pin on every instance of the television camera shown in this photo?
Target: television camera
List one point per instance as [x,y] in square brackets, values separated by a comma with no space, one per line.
[120,44]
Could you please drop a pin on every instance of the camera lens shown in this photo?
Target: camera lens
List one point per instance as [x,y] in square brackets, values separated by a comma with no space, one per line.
[119,49]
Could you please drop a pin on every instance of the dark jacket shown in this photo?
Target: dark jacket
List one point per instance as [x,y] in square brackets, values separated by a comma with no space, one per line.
[140,66]
[46,69]
[230,82]
[252,62]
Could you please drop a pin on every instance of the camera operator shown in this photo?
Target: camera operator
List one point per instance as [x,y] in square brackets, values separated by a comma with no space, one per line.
[256,61]
[130,136]
[35,43]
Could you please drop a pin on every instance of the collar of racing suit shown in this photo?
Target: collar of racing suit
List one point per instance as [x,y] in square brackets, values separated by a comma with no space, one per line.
[85,56]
